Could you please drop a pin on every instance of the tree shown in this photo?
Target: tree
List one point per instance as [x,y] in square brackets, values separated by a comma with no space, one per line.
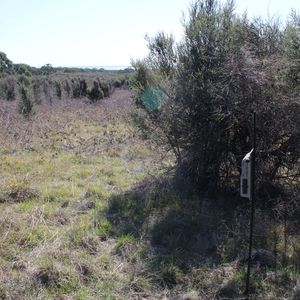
[47,69]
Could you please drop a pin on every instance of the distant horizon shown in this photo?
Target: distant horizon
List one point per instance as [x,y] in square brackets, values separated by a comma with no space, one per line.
[112,67]
[106,67]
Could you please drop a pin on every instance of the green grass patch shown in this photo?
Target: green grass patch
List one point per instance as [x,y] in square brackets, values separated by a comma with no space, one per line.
[103,229]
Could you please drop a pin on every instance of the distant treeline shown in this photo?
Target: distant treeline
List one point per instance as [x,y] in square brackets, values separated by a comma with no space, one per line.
[8,67]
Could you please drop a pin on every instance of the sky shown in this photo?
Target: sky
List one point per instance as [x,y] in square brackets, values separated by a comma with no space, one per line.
[100,32]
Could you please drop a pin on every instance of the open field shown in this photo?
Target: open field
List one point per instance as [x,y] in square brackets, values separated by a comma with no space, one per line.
[58,170]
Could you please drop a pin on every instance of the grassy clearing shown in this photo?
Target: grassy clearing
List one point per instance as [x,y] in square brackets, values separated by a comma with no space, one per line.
[54,187]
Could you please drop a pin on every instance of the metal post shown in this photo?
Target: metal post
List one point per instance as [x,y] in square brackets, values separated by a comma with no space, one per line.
[252,204]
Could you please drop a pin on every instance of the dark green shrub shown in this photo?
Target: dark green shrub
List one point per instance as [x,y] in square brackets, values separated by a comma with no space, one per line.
[96,92]
[83,87]
[105,87]
[79,87]
[26,104]
[75,89]
[117,84]
[58,91]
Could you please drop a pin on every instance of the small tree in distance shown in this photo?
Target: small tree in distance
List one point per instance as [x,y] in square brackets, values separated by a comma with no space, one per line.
[96,92]
[26,104]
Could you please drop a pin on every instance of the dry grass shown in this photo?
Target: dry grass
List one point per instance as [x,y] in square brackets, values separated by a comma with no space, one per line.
[58,170]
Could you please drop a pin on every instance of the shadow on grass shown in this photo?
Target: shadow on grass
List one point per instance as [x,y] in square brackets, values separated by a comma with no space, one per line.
[190,242]
[178,233]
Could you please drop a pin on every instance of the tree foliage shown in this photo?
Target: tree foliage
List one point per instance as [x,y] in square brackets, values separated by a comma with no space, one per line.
[6,66]
[225,68]
[47,69]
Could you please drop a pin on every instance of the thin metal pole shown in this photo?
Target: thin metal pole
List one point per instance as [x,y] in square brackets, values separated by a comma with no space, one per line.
[253,156]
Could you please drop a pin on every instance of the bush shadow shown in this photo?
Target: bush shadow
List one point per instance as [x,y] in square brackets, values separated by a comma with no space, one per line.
[180,230]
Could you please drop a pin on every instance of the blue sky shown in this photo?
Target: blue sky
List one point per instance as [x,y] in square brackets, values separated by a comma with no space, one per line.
[99,32]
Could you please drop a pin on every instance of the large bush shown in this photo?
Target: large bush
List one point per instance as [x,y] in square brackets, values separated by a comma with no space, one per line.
[207,87]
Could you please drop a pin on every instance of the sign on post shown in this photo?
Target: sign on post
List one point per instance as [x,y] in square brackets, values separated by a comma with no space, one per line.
[246,176]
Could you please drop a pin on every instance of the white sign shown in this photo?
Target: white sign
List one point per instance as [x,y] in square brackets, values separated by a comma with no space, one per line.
[246,176]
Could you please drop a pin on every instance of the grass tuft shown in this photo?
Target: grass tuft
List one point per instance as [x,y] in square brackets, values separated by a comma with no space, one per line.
[17,190]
